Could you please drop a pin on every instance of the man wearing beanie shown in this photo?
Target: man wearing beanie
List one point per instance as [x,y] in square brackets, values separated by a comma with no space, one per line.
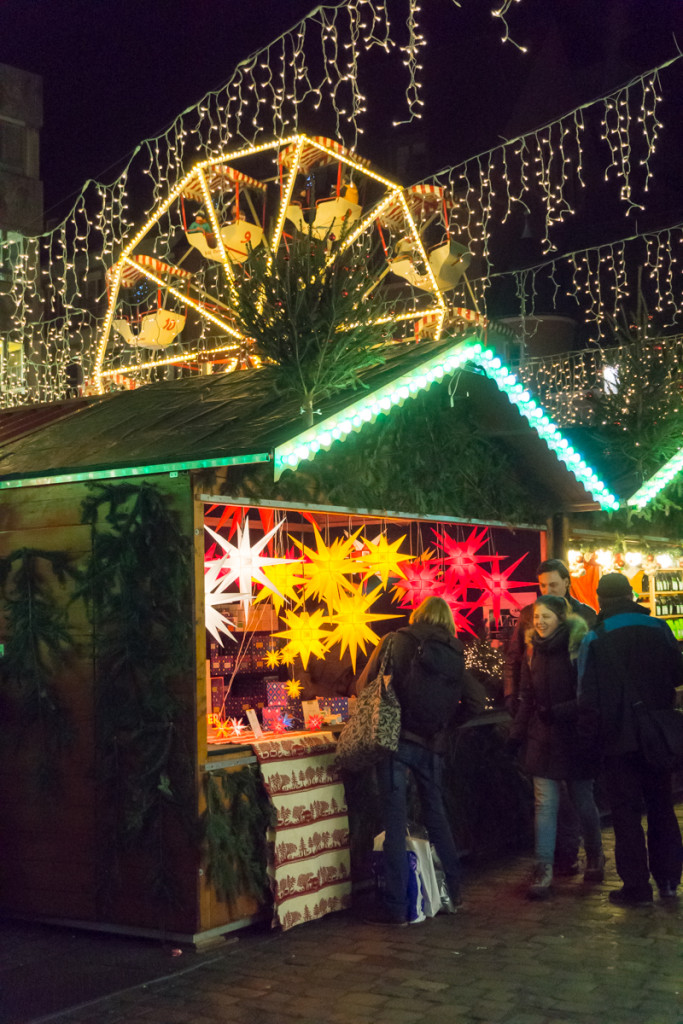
[629,656]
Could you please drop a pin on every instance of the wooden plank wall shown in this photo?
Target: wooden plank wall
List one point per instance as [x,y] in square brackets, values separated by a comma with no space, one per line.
[49,845]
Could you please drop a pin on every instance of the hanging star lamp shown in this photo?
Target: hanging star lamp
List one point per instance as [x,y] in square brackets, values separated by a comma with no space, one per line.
[498,587]
[461,558]
[272,659]
[325,572]
[315,722]
[293,688]
[351,618]
[243,562]
[421,580]
[382,559]
[282,583]
[305,635]
[456,599]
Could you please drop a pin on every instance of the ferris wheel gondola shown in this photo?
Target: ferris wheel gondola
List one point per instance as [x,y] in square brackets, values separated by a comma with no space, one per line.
[155,329]
[239,236]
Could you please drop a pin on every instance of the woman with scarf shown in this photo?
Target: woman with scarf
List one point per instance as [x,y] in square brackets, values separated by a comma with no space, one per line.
[546,724]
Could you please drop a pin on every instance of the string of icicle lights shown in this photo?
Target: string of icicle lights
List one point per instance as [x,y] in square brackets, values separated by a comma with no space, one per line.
[57,293]
[57,296]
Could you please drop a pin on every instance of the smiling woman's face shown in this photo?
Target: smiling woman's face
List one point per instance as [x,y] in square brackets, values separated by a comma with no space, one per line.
[545,620]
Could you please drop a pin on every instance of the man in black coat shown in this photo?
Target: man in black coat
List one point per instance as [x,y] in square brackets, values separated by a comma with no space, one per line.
[553,578]
[632,656]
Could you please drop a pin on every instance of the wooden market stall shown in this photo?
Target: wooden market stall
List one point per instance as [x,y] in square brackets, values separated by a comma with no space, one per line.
[122,810]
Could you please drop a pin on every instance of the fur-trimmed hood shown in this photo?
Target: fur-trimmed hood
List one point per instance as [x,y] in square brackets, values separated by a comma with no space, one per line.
[574,627]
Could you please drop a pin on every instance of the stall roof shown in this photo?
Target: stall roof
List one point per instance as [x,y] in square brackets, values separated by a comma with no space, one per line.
[227,419]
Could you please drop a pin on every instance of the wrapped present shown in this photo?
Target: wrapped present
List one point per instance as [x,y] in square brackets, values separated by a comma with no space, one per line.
[335,706]
[270,716]
[216,694]
[295,711]
[276,692]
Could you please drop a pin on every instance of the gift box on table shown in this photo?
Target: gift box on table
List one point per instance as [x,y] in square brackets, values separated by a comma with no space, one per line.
[335,706]
[271,715]
[295,711]
[276,692]
[217,694]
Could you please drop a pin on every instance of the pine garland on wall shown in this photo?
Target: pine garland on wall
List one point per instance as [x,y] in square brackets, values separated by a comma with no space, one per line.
[234,833]
[138,588]
[38,646]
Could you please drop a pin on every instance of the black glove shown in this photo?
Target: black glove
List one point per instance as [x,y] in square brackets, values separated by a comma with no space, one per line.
[546,715]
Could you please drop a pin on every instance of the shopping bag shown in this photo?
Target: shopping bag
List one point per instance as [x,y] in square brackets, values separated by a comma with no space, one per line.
[422,849]
[373,731]
[419,897]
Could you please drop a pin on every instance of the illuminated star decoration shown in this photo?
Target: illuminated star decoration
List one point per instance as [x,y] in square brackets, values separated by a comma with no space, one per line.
[287,720]
[324,574]
[350,620]
[282,581]
[315,721]
[272,659]
[216,622]
[278,725]
[286,657]
[293,688]
[421,581]
[499,587]
[242,562]
[455,598]
[383,559]
[461,558]
[237,726]
[304,635]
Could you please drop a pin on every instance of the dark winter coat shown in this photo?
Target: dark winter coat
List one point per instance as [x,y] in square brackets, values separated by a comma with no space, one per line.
[430,701]
[516,644]
[627,648]
[547,716]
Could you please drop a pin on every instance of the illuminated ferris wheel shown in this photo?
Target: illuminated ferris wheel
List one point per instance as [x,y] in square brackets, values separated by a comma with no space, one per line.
[174,291]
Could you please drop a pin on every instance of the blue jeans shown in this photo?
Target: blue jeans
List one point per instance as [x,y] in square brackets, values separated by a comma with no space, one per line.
[547,800]
[392,777]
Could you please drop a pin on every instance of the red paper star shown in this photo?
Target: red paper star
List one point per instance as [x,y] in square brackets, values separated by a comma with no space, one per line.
[315,721]
[421,581]
[455,598]
[498,585]
[461,558]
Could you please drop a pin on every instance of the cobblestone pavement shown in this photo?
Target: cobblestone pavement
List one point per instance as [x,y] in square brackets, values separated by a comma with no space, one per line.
[573,959]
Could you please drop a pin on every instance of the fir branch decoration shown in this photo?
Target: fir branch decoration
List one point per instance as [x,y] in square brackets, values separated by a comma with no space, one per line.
[138,589]
[314,322]
[38,647]
[234,833]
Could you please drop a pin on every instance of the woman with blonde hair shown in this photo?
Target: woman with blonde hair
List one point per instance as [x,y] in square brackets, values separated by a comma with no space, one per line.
[429,678]
[546,723]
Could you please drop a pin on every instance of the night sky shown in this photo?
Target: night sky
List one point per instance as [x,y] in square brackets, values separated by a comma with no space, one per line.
[115,73]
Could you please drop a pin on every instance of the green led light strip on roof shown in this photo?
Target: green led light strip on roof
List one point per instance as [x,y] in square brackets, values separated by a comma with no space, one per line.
[336,428]
[656,483]
[127,471]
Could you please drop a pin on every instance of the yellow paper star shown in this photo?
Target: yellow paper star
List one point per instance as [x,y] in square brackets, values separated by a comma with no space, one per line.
[351,622]
[283,579]
[383,559]
[304,635]
[272,659]
[324,576]
[293,688]
[286,657]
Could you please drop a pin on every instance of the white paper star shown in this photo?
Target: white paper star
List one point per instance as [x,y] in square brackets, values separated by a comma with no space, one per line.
[242,562]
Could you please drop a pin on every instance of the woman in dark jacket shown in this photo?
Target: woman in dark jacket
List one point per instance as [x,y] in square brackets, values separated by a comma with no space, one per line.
[546,720]
[430,682]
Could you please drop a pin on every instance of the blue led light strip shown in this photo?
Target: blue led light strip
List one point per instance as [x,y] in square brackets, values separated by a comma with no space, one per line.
[336,428]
